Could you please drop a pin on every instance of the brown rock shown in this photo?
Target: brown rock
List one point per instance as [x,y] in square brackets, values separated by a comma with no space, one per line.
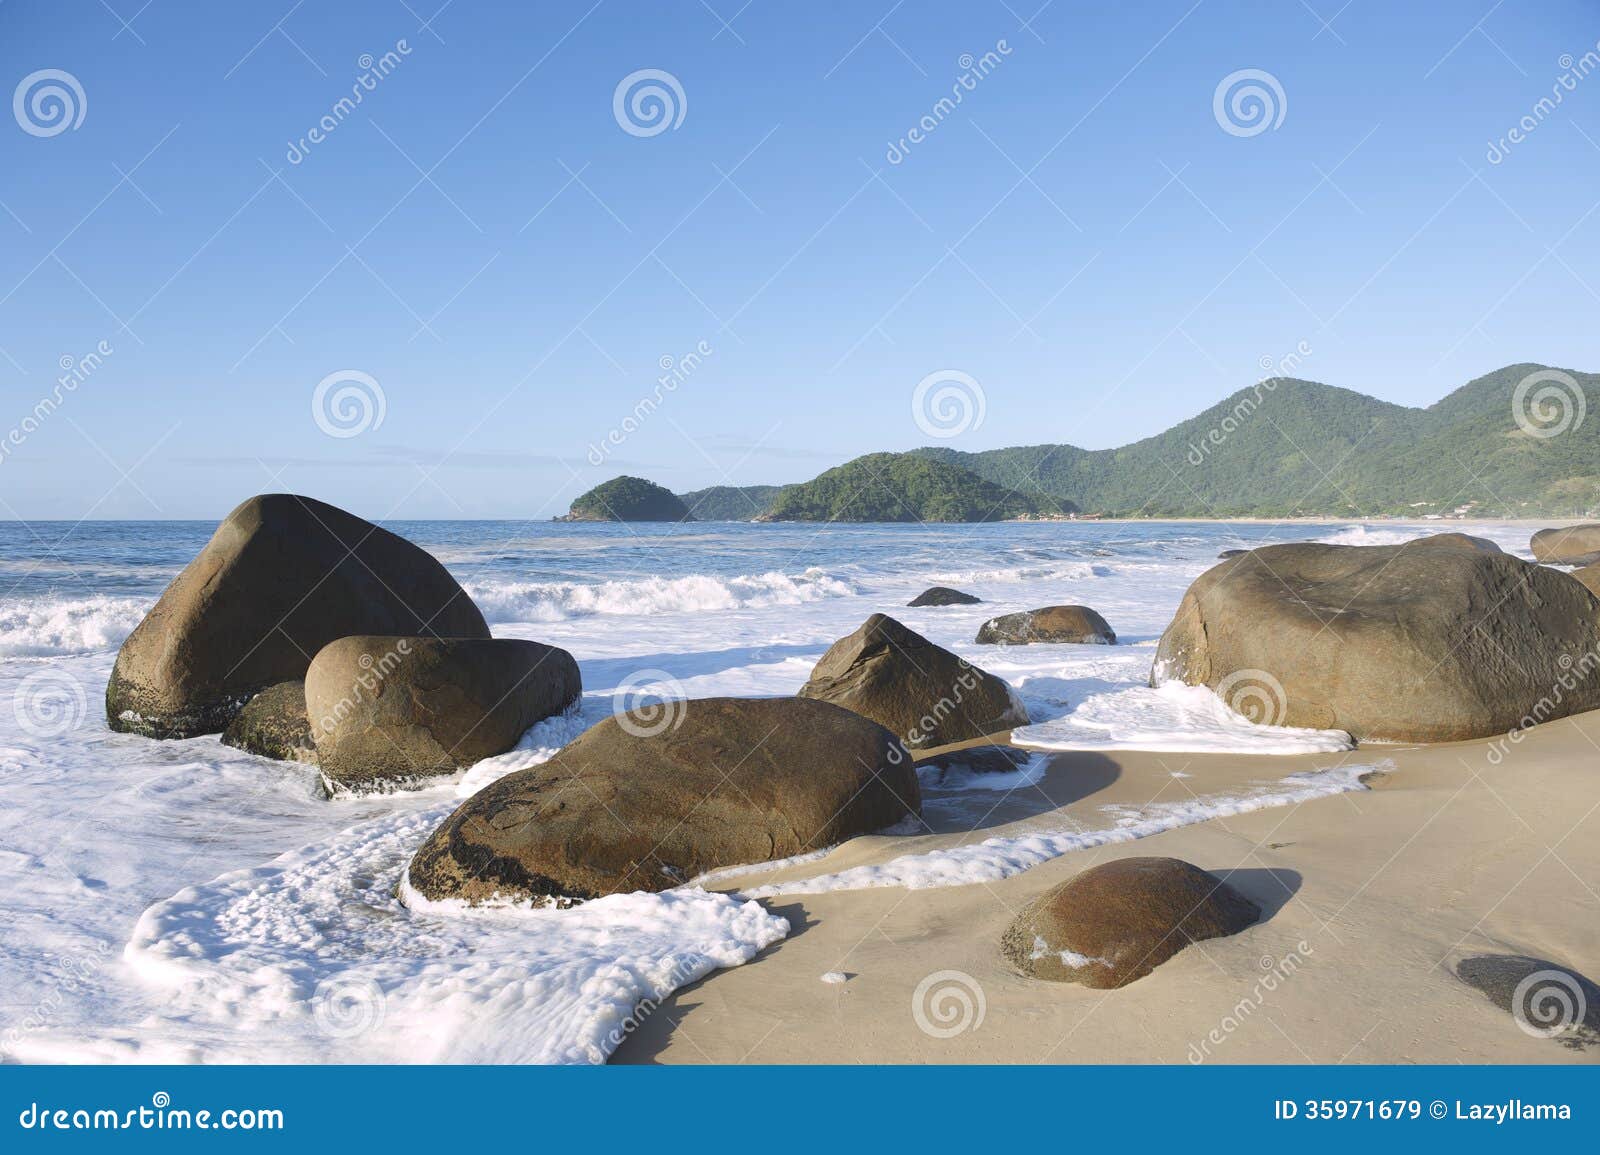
[1436,640]
[1589,576]
[943,596]
[922,692]
[1117,922]
[282,577]
[1077,624]
[386,711]
[1569,545]
[274,725]
[636,804]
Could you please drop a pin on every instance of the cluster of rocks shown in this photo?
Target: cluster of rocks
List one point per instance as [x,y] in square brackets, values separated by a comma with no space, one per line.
[1078,625]
[303,632]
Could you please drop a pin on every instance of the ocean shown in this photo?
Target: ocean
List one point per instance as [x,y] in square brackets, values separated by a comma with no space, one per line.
[186,902]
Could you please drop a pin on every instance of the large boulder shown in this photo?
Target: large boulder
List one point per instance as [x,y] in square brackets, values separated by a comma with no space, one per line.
[640,803]
[1436,640]
[274,725]
[1570,545]
[943,596]
[1117,922]
[924,693]
[387,711]
[1052,624]
[282,577]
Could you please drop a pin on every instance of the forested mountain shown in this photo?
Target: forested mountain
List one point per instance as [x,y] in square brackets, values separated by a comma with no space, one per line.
[729,502]
[1287,446]
[1520,442]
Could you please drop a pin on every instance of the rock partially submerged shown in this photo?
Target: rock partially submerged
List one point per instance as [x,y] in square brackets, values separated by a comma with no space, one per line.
[943,596]
[1117,922]
[387,711]
[1545,998]
[1569,545]
[958,765]
[1077,624]
[273,724]
[1436,640]
[922,692]
[282,577]
[648,804]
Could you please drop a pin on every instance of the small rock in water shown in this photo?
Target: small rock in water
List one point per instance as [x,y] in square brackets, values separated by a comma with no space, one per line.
[943,596]
[834,977]
[1075,624]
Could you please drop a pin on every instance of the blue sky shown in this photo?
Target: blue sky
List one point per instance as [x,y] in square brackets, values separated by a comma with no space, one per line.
[483,240]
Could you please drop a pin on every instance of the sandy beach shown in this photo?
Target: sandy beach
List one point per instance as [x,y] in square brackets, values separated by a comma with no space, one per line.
[1369,900]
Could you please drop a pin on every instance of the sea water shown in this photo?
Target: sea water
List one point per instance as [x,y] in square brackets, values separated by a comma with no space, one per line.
[183,901]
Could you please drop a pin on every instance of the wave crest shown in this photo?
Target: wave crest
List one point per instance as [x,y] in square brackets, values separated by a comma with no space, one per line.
[47,627]
[692,593]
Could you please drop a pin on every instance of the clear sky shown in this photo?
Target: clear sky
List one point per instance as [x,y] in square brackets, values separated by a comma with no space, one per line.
[1086,235]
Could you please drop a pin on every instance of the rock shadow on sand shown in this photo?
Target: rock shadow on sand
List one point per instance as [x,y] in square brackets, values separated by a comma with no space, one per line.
[957,803]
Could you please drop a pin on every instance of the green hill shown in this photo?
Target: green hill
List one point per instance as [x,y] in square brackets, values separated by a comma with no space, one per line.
[628,499]
[1287,446]
[901,487]
[730,502]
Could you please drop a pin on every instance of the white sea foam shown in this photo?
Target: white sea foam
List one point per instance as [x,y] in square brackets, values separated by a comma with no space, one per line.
[1171,717]
[996,858]
[45,627]
[693,593]
[1059,572]
[313,957]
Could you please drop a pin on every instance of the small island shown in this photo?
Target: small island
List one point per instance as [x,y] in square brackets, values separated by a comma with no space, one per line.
[628,499]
